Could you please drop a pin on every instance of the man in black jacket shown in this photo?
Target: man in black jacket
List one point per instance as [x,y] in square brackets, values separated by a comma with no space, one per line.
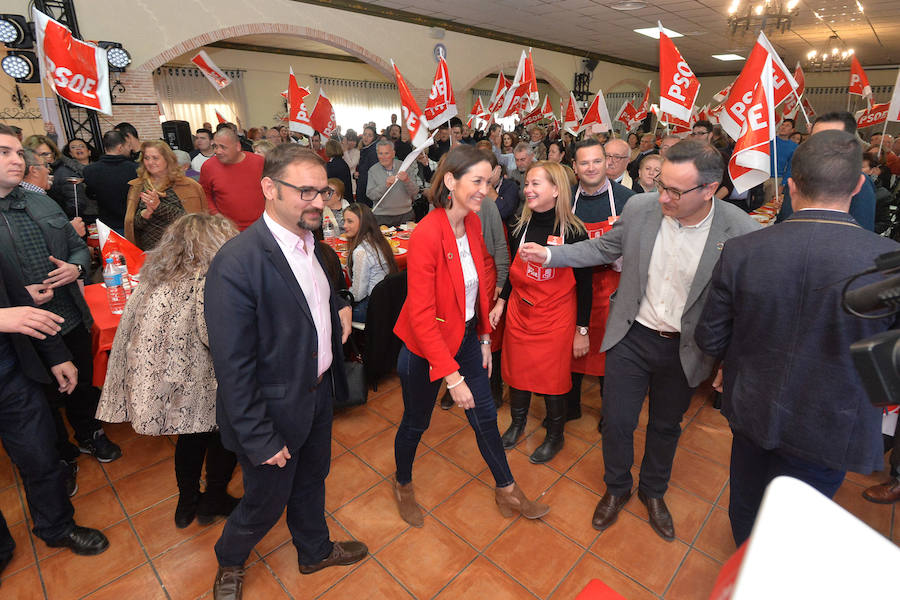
[107,180]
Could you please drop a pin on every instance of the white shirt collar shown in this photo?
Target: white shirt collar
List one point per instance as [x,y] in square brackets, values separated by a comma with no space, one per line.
[287,238]
[707,220]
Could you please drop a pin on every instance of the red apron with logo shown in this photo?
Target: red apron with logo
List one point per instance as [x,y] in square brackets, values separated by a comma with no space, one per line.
[540,328]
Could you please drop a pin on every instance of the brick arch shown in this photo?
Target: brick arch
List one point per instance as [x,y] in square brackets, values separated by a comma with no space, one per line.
[309,33]
[554,82]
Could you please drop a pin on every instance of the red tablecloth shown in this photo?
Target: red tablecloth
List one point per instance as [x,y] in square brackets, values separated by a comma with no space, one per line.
[103,331]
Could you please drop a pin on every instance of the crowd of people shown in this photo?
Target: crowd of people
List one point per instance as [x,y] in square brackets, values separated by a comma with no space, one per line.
[536,259]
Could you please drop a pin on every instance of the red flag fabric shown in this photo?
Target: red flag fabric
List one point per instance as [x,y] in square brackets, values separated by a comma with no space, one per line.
[416,123]
[859,82]
[722,95]
[675,124]
[800,78]
[741,95]
[750,162]
[76,71]
[643,109]
[533,96]
[678,87]
[517,95]
[298,116]
[546,109]
[875,115]
[220,118]
[807,107]
[441,105]
[111,241]
[214,74]
[498,95]
[626,114]
[596,119]
[322,118]
[477,114]
[572,116]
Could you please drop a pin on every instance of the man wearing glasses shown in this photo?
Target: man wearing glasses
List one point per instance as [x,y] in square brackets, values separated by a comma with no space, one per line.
[670,241]
[276,333]
[617,154]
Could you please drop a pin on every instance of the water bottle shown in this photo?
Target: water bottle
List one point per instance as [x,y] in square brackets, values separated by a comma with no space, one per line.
[115,291]
[328,232]
[122,267]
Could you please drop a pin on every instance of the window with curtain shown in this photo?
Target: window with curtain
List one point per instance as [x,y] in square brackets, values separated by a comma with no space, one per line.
[185,94]
[357,102]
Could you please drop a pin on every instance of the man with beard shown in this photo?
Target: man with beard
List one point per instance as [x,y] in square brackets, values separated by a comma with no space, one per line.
[402,148]
[278,360]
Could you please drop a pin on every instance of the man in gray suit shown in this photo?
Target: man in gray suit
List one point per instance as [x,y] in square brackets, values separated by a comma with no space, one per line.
[669,242]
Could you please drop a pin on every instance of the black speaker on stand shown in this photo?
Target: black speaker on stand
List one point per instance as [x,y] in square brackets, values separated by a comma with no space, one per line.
[177,135]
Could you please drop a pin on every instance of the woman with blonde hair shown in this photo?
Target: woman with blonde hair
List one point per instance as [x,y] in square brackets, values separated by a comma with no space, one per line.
[160,194]
[544,305]
[161,375]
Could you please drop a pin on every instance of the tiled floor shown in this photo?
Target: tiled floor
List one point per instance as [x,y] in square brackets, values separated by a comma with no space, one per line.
[466,549]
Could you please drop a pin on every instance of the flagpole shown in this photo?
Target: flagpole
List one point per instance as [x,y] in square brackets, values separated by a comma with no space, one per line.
[881,141]
[802,110]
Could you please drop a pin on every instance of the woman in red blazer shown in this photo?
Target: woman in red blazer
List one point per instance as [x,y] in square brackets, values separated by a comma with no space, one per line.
[446,333]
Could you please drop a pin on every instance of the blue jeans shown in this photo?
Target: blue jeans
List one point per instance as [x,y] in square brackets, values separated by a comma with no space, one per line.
[360,310]
[419,395]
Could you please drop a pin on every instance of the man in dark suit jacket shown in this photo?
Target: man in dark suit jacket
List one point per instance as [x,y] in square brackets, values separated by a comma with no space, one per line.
[275,333]
[791,395]
[669,242]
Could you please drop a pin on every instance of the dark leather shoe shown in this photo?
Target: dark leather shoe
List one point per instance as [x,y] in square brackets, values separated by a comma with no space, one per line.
[660,518]
[186,509]
[82,540]
[607,510]
[885,493]
[213,505]
[4,562]
[343,553]
[229,583]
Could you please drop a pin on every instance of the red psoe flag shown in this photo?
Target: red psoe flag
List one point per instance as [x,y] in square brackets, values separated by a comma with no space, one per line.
[498,95]
[533,96]
[214,74]
[516,100]
[643,109]
[859,82]
[740,97]
[220,118]
[477,114]
[572,116]
[678,87]
[876,115]
[441,105]
[76,71]
[626,114]
[298,116]
[750,162]
[540,112]
[416,123]
[322,118]
[596,119]
[723,94]
[546,109]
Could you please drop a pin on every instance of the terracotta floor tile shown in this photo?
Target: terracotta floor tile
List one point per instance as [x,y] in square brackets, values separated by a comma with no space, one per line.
[373,517]
[571,509]
[631,546]
[369,582]
[472,514]
[148,486]
[283,563]
[140,584]
[90,475]
[236,485]
[533,479]
[871,478]
[698,401]
[876,516]
[715,538]
[725,497]
[119,433]
[260,582]
[589,471]
[189,570]
[156,527]
[539,571]
[7,473]
[707,440]
[353,426]
[378,452]
[644,416]
[138,453]
[336,449]
[389,405]
[11,505]
[68,575]
[23,555]
[425,559]
[585,428]
[590,567]
[349,477]
[483,579]
[388,383]
[23,585]
[444,423]
[688,512]
[98,509]
[695,579]
[278,535]
[590,393]
[572,451]
[698,474]
[435,478]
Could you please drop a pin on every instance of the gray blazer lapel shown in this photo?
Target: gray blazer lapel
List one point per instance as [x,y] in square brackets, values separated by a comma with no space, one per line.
[276,256]
[649,231]
[718,234]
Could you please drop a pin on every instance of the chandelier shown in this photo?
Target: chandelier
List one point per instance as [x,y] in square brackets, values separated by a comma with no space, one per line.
[763,15]
[833,55]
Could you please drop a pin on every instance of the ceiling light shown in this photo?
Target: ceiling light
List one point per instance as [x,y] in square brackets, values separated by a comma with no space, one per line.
[727,57]
[21,66]
[629,5]
[117,57]
[653,32]
[15,31]
[758,10]
[792,4]
[859,6]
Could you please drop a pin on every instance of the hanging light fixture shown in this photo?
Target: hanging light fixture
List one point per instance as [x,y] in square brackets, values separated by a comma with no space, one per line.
[834,54]
[769,16]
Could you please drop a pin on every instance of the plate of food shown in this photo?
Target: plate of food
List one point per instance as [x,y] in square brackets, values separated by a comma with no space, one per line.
[399,251]
[388,231]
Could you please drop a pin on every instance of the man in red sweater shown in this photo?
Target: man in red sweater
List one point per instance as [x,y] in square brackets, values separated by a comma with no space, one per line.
[231,181]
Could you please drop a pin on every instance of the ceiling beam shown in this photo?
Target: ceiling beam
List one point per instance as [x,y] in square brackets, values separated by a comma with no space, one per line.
[417,19]
[286,51]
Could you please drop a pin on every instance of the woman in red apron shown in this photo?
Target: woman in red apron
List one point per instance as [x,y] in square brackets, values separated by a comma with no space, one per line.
[539,341]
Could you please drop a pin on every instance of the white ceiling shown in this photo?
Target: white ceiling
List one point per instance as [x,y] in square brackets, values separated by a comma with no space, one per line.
[593,26]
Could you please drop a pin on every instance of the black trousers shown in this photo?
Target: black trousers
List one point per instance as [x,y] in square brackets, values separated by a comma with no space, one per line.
[299,486]
[26,430]
[642,360]
[190,451]
[81,404]
[894,445]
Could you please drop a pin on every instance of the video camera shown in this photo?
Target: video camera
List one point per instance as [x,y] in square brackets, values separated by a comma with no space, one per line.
[877,358]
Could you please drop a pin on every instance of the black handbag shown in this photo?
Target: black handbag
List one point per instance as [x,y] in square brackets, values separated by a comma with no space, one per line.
[356,377]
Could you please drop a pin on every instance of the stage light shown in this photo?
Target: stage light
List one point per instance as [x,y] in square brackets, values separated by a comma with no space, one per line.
[117,57]
[16,31]
[21,66]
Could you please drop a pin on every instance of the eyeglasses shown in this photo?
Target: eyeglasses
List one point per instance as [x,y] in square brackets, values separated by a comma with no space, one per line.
[45,154]
[307,193]
[700,132]
[674,194]
[617,156]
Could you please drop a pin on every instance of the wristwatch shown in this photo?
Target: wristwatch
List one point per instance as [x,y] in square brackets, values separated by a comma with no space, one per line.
[484,342]
[582,330]
[80,269]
